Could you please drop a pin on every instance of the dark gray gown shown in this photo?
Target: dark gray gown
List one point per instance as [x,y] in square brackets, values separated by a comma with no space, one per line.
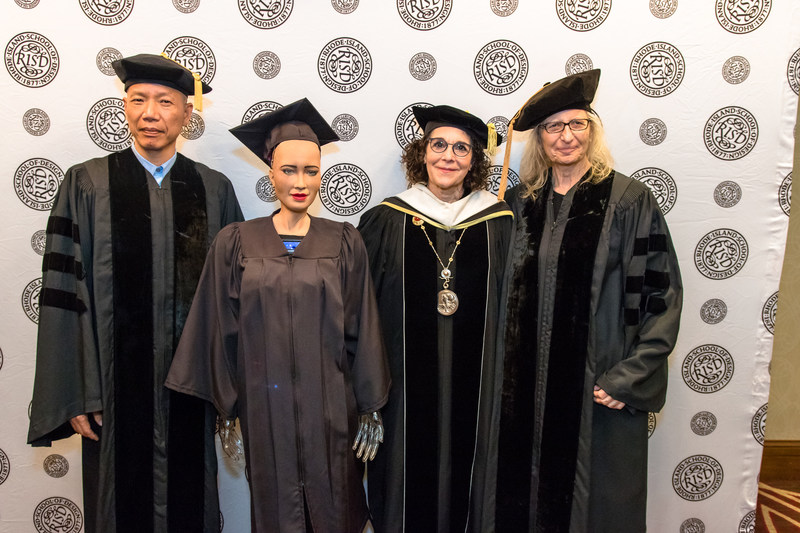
[291,344]
[435,469]
[594,296]
[121,262]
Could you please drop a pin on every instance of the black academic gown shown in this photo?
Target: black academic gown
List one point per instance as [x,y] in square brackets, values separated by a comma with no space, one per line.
[291,344]
[431,472]
[121,263]
[593,297]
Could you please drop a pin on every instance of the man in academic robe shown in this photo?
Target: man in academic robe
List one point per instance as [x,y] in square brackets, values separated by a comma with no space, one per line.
[126,241]
[594,299]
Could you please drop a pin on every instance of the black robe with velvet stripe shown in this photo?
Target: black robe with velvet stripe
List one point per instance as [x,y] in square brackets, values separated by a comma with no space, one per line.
[431,472]
[122,260]
[593,296]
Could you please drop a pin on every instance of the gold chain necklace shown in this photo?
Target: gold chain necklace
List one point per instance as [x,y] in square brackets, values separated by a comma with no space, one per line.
[447,301]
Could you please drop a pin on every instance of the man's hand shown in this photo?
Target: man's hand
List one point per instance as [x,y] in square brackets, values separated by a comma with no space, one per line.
[603,398]
[82,427]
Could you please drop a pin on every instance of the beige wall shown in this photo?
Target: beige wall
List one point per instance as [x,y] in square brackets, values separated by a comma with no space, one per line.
[783,418]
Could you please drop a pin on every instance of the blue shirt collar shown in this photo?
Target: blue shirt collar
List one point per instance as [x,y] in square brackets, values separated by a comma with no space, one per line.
[157,171]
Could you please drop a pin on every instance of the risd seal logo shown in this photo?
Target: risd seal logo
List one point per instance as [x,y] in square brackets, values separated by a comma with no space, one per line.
[194,129]
[1,358]
[265,14]
[727,194]
[345,189]
[769,311]
[260,108]
[503,8]
[107,12]
[345,7]
[5,467]
[730,133]
[697,477]
[36,122]
[424,14]
[651,424]
[793,71]
[104,58]
[107,126]
[55,465]
[759,423]
[785,194]
[31,59]
[265,191]
[742,16]
[193,54]
[721,253]
[30,299]
[713,311]
[38,241]
[663,8]
[57,515]
[27,4]
[692,525]
[707,368]
[657,69]
[345,126]
[653,131]
[661,184]
[495,172]
[500,125]
[186,6]
[500,67]
[583,15]
[703,423]
[266,65]
[344,65]
[36,182]
[735,70]
[422,66]
[406,129]
[578,63]
[747,523]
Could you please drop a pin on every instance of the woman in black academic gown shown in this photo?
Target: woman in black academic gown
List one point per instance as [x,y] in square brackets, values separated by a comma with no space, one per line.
[284,333]
[437,252]
[594,304]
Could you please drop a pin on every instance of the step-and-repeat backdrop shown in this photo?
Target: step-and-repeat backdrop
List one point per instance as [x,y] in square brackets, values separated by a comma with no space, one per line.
[698,98]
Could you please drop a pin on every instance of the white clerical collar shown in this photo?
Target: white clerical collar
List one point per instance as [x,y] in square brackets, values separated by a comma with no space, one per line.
[449,214]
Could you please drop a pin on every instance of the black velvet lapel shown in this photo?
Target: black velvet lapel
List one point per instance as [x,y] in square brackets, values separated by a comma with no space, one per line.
[567,359]
[186,466]
[133,341]
[519,374]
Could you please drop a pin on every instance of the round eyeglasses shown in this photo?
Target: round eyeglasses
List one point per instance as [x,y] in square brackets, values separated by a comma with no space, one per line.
[576,124]
[460,148]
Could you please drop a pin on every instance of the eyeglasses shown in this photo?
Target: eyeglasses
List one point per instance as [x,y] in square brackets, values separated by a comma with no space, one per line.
[576,124]
[460,149]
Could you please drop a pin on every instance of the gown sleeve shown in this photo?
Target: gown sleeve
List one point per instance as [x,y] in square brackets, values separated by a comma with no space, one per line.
[67,381]
[205,362]
[363,337]
[653,301]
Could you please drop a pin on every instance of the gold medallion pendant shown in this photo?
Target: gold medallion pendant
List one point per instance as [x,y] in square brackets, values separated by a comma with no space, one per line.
[447,302]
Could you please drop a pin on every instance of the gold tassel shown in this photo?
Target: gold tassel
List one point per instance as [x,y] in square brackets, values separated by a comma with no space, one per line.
[501,192]
[491,145]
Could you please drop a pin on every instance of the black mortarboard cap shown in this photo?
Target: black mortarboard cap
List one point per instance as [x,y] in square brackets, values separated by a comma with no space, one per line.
[573,92]
[161,70]
[299,120]
[437,116]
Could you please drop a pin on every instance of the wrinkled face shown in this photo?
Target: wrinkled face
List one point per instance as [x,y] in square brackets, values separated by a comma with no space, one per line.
[295,174]
[446,170]
[567,147]
[156,114]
